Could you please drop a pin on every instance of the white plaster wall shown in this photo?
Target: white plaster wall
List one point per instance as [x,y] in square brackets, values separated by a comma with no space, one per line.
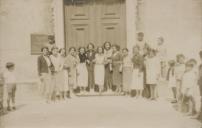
[18,19]
[131,23]
[179,21]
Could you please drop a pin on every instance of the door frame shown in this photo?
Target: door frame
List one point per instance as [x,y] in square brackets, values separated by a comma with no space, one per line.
[65,25]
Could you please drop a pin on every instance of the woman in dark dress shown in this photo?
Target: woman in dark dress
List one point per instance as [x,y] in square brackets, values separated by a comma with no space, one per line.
[108,66]
[116,68]
[90,56]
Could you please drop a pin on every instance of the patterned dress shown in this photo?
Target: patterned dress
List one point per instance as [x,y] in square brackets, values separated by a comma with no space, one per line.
[152,70]
[71,63]
[116,64]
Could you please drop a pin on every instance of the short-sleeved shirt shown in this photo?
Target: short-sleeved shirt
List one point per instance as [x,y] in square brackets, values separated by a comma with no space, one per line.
[10,77]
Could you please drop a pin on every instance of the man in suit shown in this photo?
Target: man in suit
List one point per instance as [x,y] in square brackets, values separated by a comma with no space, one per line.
[44,72]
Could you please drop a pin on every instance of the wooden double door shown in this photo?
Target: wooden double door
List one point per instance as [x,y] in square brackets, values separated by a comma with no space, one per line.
[95,21]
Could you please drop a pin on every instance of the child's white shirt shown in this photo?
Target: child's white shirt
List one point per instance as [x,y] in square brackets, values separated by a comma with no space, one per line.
[10,77]
[189,80]
[56,62]
[179,71]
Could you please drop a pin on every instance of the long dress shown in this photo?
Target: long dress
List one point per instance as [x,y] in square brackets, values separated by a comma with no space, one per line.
[82,77]
[71,63]
[56,77]
[127,73]
[116,64]
[99,69]
[108,73]
[63,76]
[137,76]
[152,70]
[90,67]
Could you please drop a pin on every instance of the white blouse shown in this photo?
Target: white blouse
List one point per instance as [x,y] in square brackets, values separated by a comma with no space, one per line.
[56,62]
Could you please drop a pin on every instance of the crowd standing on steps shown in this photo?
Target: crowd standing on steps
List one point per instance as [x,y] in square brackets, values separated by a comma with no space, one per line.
[110,70]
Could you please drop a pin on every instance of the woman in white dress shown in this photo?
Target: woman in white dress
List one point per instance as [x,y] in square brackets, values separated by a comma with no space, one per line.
[99,69]
[82,72]
[152,73]
[55,59]
[63,75]
[137,76]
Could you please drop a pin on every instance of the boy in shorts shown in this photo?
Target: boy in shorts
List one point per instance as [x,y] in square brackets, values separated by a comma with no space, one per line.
[10,83]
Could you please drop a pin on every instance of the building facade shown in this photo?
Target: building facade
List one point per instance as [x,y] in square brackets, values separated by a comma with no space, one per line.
[78,22]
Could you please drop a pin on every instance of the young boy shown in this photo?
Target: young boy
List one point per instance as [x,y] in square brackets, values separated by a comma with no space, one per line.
[179,71]
[171,80]
[10,83]
[188,84]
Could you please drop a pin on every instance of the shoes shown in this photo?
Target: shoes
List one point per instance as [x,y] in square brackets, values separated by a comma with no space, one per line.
[14,108]
[8,108]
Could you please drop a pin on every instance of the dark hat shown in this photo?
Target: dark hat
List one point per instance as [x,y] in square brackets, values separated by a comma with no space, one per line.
[10,64]
[140,34]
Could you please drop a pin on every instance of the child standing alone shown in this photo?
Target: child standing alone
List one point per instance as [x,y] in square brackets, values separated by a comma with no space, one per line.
[10,83]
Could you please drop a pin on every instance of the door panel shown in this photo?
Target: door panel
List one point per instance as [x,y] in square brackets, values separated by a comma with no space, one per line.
[94,21]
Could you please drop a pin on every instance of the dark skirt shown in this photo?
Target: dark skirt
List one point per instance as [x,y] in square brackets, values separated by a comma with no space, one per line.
[91,79]
[108,77]
[116,75]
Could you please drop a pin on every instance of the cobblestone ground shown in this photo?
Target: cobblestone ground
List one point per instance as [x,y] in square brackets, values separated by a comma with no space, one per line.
[93,112]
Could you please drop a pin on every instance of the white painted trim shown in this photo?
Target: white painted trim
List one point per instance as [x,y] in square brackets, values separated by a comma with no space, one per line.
[59,23]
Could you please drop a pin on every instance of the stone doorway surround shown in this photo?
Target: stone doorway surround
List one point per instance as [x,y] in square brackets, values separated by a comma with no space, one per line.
[132,21]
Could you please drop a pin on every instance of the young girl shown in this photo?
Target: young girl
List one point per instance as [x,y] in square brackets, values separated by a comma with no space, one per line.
[137,77]
[71,62]
[90,56]
[116,66]
[127,69]
[152,73]
[63,75]
[10,83]
[171,80]
[99,69]
[55,59]
[108,66]
[82,79]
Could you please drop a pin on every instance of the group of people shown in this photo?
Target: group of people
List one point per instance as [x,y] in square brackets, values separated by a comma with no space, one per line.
[109,69]
[185,81]
[106,68]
